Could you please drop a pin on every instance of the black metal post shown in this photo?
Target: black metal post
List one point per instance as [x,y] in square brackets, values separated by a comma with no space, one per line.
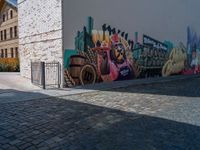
[31,72]
[59,78]
[43,75]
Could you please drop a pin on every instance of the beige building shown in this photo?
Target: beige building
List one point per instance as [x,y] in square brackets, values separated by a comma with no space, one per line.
[8,29]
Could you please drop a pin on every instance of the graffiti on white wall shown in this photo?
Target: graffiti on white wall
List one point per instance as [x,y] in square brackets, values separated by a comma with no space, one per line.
[193,49]
[107,54]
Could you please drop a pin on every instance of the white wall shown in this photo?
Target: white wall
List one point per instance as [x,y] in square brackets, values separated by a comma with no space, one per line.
[40,32]
[161,19]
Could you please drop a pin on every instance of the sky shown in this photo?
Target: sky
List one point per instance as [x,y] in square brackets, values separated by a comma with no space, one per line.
[12,2]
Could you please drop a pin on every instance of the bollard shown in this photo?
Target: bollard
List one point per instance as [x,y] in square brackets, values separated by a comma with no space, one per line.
[43,75]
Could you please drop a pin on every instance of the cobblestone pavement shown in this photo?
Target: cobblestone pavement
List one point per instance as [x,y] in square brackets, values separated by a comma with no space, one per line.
[149,117]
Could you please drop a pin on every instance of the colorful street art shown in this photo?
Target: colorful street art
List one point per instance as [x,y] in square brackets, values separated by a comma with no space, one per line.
[193,52]
[177,61]
[108,55]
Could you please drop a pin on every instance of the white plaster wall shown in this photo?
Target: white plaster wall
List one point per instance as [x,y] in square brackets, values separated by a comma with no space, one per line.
[40,32]
[161,19]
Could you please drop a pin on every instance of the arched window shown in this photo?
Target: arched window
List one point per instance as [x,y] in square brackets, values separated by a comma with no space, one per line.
[11,14]
[6,53]
[5,34]
[16,52]
[12,52]
[15,31]
[1,35]
[4,17]
[2,53]
[11,33]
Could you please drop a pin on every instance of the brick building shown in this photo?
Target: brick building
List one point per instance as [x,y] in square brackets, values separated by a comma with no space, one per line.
[8,29]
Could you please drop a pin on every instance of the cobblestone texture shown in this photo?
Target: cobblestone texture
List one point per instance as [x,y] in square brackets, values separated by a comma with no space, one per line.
[157,116]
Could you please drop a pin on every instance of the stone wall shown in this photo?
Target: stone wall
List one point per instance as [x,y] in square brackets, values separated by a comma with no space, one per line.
[40,32]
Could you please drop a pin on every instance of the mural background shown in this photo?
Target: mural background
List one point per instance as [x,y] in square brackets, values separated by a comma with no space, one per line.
[129,39]
[108,54]
[161,19]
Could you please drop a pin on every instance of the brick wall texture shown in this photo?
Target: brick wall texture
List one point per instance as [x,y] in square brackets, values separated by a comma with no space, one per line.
[40,32]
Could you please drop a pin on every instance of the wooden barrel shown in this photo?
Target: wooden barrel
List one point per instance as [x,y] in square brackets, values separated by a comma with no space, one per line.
[76,64]
[75,70]
[77,60]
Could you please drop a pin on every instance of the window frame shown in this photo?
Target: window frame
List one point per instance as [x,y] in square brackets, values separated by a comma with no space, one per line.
[15,32]
[16,52]
[5,34]
[12,52]
[6,53]
[11,32]
[3,17]
[2,53]
[1,35]
[11,14]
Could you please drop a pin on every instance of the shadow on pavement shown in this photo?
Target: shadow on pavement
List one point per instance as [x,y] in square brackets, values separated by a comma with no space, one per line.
[56,123]
[12,95]
[188,87]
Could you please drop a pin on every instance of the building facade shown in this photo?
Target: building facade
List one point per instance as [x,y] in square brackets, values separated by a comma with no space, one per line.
[48,29]
[8,29]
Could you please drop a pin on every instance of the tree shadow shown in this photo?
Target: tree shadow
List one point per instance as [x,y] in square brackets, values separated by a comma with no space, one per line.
[57,123]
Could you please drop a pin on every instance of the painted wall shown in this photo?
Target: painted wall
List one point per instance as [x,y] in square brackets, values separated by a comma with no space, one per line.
[40,32]
[47,27]
[162,19]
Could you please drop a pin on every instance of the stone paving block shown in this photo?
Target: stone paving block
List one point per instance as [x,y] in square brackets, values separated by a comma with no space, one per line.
[31,148]
[25,146]
[15,142]
[43,148]
[5,146]
[118,119]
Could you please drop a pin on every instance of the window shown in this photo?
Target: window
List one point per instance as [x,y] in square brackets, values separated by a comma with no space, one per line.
[11,32]
[4,17]
[1,35]
[12,52]
[2,53]
[5,35]
[11,14]
[15,28]
[6,53]
[16,52]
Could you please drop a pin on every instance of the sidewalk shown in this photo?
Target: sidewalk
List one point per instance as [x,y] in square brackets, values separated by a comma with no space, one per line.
[13,80]
[15,88]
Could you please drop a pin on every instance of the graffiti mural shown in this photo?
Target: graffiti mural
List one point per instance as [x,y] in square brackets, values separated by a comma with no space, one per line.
[193,40]
[177,61]
[150,56]
[193,52]
[102,55]
[112,61]
[108,55]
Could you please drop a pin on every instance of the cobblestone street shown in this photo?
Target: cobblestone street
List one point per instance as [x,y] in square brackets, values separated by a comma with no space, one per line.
[163,116]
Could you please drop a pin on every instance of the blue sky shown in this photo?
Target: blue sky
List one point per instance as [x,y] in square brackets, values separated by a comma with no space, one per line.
[14,2]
